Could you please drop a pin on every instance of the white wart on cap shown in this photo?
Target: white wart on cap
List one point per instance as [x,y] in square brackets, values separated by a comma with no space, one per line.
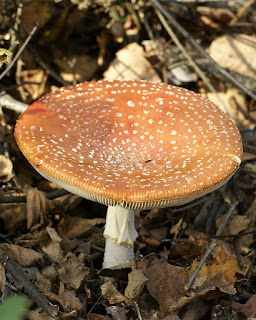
[134,143]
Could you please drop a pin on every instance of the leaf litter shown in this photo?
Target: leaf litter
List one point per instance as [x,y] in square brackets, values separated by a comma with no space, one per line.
[52,248]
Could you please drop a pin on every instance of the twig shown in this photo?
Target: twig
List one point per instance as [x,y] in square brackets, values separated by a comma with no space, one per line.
[20,279]
[212,245]
[192,62]
[12,104]
[242,12]
[137,309]
[14,86]
[18,199]
[19,52]
[238,257]
[193,42]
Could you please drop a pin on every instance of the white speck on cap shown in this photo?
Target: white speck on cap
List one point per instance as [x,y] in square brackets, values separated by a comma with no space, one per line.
[99,139]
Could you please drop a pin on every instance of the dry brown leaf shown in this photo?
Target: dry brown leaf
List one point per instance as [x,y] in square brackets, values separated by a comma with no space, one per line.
[37,205]
[73,227]
[43,283]
[130,64]
[113,296]
[52,247]
[235,100]
[87,67]
[117,312]
[37,75]
[136,282]
[37,237]
[5,169]
[66,298]
[36,315]
[216,274]
[248,309]
[23,256]
[166,283]
[14,216]
[241,223]
[236,53]
[72,272]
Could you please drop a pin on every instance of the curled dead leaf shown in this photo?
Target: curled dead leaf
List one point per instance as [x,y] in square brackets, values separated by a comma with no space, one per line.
[72,272]
[52,246]
[23,256]
[166,283]
[136,282]
[37,205]
[113,296]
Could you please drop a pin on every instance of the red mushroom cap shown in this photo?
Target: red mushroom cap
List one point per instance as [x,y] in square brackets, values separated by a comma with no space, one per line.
[134,143]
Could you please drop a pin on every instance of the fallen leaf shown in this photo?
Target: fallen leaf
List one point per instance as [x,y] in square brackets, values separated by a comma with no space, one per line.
[166,283]
[248,309]
[37,315]
[130,64]
[87,67]
[72,272]
[36,75]
[136,282]
[235,100]
[117,312]
[113,296]
[37,205]
[52,246]
[235,53]
[23,256]
[73,227]
[66,298]
[5,169]
[5,55]
[50,273]
[14,216]
[217,273]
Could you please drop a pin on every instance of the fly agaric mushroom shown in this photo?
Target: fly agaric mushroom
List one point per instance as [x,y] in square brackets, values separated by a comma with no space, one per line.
[129,145]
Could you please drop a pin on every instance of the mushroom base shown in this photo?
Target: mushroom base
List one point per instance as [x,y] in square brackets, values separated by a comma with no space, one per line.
[116,254]
[120,235]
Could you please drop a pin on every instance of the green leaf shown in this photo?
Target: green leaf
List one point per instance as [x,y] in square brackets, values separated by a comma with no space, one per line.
[5,55]
[14,308]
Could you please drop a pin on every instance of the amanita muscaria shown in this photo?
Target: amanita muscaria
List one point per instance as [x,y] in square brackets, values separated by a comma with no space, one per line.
[130,145]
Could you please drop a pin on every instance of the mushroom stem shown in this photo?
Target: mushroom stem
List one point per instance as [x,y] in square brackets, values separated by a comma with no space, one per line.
[120,235]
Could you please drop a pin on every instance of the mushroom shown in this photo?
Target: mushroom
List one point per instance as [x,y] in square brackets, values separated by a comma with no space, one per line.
[130,145]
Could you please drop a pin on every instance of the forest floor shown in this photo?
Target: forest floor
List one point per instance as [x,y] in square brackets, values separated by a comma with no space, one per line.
[51,242]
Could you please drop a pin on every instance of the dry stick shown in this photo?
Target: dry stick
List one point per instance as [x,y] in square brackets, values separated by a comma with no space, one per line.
[192,62]
[193,42]
[213,244]
[20,279]
[22,198]
[10,103]
[242,12]
[19,52]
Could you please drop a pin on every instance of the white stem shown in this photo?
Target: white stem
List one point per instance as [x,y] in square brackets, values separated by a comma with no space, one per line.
[120,235]
[116,254]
